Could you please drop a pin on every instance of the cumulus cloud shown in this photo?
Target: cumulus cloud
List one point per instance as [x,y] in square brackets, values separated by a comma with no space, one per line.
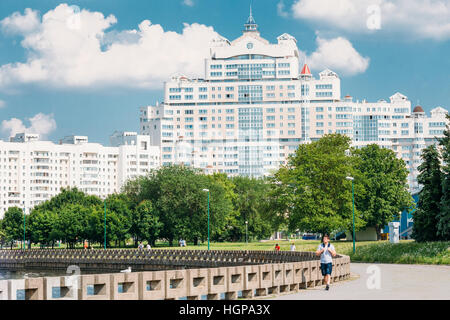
[43,124]
[281,11]
[73,48]
[339,55]
[19,23]
[423,19]
[189,3]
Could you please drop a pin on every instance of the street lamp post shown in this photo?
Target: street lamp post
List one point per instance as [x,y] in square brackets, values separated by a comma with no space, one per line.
[24,215]
[207,190]
[104,245]
[353,200]
[246,232]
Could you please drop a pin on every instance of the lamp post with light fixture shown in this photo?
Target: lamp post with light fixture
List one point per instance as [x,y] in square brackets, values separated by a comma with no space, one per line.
[207,190]
[353,200]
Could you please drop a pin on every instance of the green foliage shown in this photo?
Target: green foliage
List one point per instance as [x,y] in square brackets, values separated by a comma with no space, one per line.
[71,223]
[145,223]
[314,191]
[12,224]
[177,196]
[384,178]
[407,253]
[118,217]
[443,227]
[63,217]
[41,224]
[426,216]
[69,195]
[250,203]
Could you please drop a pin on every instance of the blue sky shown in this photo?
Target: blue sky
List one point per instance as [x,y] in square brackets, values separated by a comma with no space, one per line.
[80,89]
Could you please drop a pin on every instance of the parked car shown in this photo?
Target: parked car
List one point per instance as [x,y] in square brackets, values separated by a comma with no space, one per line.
[309,236]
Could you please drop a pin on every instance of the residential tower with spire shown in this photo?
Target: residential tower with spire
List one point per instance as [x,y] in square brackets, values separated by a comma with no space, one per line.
[258,101]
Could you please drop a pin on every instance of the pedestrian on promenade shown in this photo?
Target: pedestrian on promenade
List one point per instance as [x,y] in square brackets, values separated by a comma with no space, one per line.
[292,246]
[148,246]
[141,246]
[326,251]
[277,247]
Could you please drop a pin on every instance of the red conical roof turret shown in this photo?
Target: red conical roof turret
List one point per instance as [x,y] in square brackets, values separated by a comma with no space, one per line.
[305,70]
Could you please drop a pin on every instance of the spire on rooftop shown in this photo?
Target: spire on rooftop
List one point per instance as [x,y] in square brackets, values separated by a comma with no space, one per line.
[250,25]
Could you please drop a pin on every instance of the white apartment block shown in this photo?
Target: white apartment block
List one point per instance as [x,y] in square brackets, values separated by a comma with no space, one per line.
[33,171]
[254,106]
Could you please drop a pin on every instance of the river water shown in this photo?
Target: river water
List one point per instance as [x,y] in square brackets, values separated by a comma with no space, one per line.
[7,275]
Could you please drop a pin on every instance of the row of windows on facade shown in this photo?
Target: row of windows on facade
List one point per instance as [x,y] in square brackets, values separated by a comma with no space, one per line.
[268,88]
[419,126]
[317,109]
[61,154]
[256,65]
[255,149]
[249,72]
[244,95]
[240,110]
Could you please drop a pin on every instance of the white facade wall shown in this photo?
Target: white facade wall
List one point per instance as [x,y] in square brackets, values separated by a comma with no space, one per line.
[34,171]
[254,107]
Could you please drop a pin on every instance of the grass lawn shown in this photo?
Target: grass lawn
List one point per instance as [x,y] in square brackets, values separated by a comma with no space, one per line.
[409,252]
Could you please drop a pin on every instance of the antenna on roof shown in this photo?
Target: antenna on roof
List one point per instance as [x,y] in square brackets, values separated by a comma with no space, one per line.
[251,23]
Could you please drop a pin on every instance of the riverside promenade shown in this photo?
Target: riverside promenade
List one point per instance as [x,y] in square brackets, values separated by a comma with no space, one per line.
[164,274]
[395,282]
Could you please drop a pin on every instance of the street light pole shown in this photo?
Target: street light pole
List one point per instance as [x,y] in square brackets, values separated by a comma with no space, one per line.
[353,201]
[246,231]
[104,245]
[207,190]
[24,215]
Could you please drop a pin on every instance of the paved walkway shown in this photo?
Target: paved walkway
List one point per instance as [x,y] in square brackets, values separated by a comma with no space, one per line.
[397,281]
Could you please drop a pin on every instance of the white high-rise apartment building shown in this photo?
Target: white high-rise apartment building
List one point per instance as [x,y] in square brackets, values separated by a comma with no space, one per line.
[32,171]
[254,106]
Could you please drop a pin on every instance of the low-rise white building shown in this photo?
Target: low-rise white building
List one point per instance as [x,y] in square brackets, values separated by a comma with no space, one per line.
[32,171]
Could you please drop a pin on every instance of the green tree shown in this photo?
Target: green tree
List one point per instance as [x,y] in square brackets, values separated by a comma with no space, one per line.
[12,224]
[177,196]
[250,205]
[40,225]
[71,223]
[145,223]
[121,219]
[313,193]
[426,216]
[443,226]
[385,182]
[2,235]
[53,216]
[69,196]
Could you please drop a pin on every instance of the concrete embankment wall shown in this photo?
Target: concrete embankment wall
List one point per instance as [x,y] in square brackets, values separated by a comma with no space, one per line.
[228,282]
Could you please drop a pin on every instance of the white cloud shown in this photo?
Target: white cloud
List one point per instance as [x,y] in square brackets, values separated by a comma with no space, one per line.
[72,48]
[422,19]
[281,9]
[189,3]
[21,24]
[43,124]
[339,55]
[2,104]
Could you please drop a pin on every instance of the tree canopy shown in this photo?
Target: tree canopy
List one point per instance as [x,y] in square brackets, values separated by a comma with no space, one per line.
[384,177]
